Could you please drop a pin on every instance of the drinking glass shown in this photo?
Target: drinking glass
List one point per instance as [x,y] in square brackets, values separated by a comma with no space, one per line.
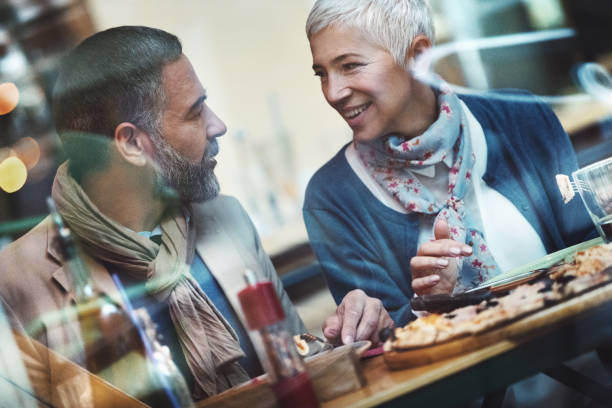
[594,183]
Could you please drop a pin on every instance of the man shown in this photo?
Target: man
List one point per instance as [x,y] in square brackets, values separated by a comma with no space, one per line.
[140,194]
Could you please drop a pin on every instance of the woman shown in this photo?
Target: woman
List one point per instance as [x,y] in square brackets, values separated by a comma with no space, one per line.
[437,191]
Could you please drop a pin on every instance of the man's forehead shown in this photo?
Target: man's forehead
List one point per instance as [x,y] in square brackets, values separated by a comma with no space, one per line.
[181,83]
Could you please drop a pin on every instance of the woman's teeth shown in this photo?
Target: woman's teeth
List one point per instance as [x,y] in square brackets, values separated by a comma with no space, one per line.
[355,112]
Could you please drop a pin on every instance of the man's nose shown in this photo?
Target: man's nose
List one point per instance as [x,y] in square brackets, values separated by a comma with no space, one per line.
[336,89]
[215,127]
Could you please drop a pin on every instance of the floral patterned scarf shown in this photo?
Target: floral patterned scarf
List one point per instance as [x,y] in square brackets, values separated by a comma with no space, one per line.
[390,160]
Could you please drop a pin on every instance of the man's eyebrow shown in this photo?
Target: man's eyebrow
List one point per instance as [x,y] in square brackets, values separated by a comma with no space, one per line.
[197,104]
[337,60]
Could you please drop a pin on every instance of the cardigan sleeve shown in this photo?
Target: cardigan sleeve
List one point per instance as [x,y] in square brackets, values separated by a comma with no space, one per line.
[574,223]
[349,261]
[529,145]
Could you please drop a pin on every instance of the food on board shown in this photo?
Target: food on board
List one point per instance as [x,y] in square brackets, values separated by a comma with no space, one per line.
[586,270]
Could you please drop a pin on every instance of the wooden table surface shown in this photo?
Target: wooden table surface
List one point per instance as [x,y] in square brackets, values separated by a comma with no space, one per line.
[546,339]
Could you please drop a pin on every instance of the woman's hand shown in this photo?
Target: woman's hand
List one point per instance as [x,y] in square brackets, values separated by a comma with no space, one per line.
[435,267]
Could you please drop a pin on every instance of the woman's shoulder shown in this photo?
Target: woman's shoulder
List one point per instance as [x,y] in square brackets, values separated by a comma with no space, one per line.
[503,105]
[501,101]
[336,187]
[330,176]
[515,111]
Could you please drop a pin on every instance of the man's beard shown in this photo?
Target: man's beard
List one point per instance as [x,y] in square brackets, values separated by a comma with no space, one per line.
[191,182]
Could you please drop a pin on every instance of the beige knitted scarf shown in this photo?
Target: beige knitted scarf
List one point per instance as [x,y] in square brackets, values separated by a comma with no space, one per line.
[210,344]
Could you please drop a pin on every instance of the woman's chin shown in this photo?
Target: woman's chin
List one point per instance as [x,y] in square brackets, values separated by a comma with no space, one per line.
[363,136]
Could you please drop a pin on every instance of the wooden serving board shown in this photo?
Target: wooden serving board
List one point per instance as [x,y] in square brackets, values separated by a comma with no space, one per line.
[518,331]
[333,373]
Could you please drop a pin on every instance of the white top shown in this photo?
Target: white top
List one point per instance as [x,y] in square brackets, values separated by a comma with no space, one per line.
[510,237]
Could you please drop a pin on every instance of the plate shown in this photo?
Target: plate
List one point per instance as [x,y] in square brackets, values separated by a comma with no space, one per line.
[525,272]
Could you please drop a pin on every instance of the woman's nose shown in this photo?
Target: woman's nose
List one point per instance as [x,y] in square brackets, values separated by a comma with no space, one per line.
[336,90]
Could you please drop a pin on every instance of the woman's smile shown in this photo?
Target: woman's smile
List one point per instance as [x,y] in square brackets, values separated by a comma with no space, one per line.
[364,84]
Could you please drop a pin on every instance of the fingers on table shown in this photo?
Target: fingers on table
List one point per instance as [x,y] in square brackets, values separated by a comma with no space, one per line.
[352,308]
[368,325]
[331,328]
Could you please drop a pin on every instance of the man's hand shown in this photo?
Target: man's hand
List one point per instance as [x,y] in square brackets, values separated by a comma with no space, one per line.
[358,317]
[434,268]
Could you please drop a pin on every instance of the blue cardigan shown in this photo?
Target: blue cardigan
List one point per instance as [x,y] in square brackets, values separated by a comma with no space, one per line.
[363,244]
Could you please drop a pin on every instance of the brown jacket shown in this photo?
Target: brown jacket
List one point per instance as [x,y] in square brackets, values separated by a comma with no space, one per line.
[35,286]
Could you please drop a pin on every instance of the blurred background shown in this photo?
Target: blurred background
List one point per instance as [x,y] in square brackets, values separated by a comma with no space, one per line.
[254,60]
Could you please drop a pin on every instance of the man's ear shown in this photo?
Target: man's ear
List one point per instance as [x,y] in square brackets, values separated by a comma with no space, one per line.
[420,44]
[132,144]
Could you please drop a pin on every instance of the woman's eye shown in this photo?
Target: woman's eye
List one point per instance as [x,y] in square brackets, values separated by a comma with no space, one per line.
[351,65]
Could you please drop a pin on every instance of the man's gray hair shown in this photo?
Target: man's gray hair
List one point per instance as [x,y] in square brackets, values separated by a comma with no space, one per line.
[392,24]
[114,76]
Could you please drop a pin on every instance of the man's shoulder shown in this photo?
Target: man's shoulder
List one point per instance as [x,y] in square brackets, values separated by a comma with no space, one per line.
[32,245]
[26,263]
[222,211]
[224,215]
[220,206]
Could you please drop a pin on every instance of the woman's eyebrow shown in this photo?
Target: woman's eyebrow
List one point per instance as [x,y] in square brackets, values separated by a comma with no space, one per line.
[337,60]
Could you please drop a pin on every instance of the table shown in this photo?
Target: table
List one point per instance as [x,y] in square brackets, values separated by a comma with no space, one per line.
[576,326]
[540,342]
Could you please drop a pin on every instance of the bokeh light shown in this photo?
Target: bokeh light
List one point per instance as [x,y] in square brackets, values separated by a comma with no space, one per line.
[4,153]
[9,97]
[28,150]
[13,174]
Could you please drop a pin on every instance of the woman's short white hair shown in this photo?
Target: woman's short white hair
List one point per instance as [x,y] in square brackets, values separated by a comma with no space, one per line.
[392,24]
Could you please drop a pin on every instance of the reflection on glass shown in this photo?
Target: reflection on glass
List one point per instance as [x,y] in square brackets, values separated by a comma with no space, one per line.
[594,183]
[15,388]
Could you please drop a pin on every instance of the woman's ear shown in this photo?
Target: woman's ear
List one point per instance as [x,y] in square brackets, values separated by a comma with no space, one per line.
[132,144]
[419,46]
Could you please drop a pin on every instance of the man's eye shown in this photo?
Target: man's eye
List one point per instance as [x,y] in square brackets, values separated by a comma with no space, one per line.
[197,113]
[319,74]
